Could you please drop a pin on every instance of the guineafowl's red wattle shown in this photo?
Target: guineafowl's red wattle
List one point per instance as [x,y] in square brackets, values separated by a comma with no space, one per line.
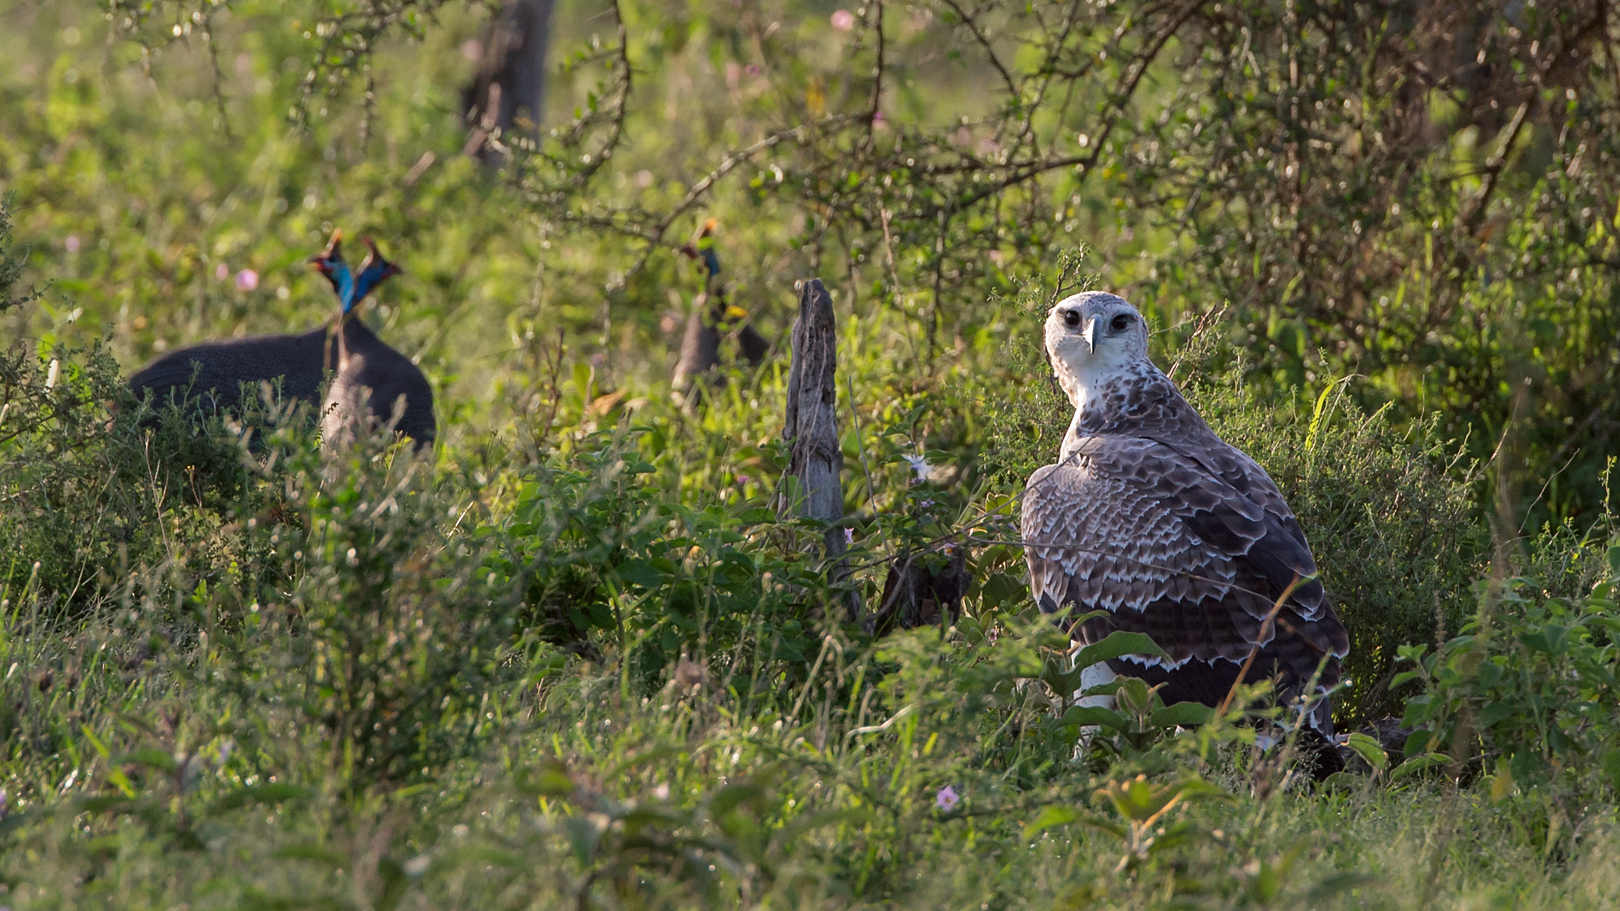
[374,383]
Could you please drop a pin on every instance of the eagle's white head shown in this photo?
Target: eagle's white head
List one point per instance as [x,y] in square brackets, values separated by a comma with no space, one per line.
[1092,338]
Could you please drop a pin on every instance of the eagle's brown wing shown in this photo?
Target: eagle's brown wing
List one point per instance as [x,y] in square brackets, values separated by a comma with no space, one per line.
[1191,547]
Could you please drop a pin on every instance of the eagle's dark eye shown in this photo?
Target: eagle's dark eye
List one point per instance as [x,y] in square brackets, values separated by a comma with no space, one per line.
[1120,322]
[1071,317]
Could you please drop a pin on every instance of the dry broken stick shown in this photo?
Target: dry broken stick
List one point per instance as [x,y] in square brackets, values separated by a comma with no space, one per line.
[920,591]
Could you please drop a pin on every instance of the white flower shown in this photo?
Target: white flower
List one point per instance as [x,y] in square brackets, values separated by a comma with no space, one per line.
[920,466]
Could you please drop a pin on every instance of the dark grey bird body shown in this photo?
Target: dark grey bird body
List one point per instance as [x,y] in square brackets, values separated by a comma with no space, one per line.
[707,325]
[372,381]
[211,374]
[1152,519]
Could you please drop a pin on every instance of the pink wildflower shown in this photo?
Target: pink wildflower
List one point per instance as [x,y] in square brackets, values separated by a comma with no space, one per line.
[247,280]
[947,799]
[843,20]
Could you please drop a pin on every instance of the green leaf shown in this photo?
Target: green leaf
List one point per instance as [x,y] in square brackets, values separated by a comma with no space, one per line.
[1404,676]
[1134,696]
[392,887]
[1182,714]
[258,794]
[315,853]
[1117,645]
[640,572]
[150,757]
[791,832]
[732,796]
[550,779]
[112,804]
[1369,749]
[1418,764]
[757,516]
[1057,679]
[1140,800]
[1610,763]
[1050,817]
[1320,409]
[1095,716]
[1343,780]
[1493,714]
[583,836]
[1000,589]
[1335,886]
[1106,825]
[652,815]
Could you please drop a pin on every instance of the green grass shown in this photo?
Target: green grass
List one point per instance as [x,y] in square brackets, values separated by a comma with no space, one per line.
[573,657]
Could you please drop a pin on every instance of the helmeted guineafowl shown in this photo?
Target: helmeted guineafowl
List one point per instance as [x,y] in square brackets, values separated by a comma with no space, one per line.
[707,325]
[374,383]
[209,376]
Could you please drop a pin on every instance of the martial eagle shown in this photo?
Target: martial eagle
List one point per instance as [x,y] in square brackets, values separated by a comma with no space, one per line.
[1155,520]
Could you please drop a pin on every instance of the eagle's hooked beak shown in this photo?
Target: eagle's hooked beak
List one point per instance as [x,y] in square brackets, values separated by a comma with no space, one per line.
[1091,336]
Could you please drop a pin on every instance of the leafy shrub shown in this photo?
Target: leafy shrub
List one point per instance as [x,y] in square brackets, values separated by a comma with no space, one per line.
[605,562]
[95,489]
[1527,692]
[393,639]
[1391,524]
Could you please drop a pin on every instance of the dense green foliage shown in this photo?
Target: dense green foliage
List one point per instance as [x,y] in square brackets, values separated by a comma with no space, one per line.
[574,655]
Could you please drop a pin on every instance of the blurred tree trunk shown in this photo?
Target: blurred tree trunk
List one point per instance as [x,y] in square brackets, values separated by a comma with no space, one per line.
[507,96]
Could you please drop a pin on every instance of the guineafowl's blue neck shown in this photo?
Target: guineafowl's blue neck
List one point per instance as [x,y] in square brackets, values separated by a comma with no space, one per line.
[364,283]
[342,282]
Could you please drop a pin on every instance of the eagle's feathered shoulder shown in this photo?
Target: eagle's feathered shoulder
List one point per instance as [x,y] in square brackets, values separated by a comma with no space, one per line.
[1188,527]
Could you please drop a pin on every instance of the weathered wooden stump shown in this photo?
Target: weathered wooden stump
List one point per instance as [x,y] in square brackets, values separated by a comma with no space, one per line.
[811,432]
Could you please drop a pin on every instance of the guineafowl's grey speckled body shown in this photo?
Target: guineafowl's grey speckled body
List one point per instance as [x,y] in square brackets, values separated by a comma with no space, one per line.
[370,381]
[211,374]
